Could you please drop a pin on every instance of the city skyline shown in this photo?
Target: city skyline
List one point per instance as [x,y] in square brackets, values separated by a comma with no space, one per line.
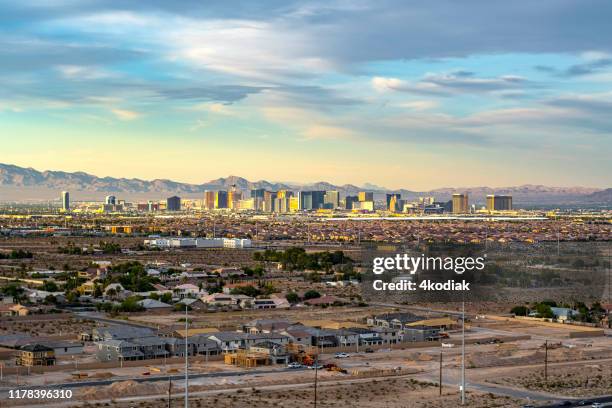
[418,96]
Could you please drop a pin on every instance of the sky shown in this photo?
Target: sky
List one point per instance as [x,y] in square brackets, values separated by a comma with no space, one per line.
[401,94]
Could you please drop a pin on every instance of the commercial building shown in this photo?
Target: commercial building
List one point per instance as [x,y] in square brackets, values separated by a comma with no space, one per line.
[393,202]
[173,203]
[209,200]
[268,201]
[499,202]
[110,200]
[305,200]
[363,205]
[233,197]
[332,199]
[221,199]
[460,203]
[258,197]
[65,200]
[349,201]
[366,196]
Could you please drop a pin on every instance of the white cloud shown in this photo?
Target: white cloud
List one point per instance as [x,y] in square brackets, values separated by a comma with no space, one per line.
[124,114]
[249,49]
[82,72]
[419,105]
[447,84]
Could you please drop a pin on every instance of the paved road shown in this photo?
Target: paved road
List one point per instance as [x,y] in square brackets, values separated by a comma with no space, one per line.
[176,377]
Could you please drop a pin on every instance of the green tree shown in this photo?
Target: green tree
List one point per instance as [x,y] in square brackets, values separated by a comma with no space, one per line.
[520,310]
[292,297]
[311,294]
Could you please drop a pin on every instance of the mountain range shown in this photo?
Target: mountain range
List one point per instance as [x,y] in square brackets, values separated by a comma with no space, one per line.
[16,182]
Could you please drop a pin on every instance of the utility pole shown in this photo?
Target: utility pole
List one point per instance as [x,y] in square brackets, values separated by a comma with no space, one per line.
[546,361]
[169,392]
[315,383]
[186,358]
[463,353]
[440,372]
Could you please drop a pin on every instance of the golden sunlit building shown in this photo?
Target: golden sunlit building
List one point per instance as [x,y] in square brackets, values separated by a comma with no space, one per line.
[460,203]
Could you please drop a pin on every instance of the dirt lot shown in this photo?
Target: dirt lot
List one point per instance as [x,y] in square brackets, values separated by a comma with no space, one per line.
[46,325]
[231,320]
[389,392]
[576,381]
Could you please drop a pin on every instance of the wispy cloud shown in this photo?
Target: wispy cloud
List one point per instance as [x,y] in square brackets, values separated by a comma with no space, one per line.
[449,84]
[124,114]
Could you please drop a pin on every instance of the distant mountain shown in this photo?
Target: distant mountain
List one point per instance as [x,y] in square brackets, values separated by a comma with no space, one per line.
[16,180]
[602,197]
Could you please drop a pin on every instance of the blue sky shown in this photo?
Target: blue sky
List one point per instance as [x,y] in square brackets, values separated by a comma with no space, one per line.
[397,93]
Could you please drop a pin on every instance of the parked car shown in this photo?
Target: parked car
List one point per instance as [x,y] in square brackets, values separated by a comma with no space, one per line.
[317,367]
[294,365]
[342,355]
[597,405]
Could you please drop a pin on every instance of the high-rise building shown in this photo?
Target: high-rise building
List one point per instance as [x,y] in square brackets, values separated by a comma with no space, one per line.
[245,204]
[258,196]
[221,199]
[424,201]
[110,200]
[173,203]
[282,203]
[284,194]
[366,196]
[294,204]
[232,199]
[305,200]
[268,201]
[460,203]
[65,200]
[332,199]
[209,200]
[393,202]
[318,199]
[349,201]
[499,202]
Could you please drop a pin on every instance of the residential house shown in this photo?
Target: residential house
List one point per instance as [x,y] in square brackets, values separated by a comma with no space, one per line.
[276,353]
[265,326]
[113,350]
[188,290]
[155,305]
[420,333]
[194,304]
[35,355]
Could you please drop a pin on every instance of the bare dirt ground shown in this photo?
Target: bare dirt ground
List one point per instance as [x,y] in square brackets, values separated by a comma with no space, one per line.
[62,325]
[232,319]
[389,392]
[575,381]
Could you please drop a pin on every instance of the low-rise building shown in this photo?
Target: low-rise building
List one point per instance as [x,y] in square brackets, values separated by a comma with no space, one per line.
[32,355]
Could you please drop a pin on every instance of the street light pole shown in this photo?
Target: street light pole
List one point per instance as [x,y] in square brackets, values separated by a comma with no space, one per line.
[186,358]
[546,361]
[463,353]
[440,371]
[315,383]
